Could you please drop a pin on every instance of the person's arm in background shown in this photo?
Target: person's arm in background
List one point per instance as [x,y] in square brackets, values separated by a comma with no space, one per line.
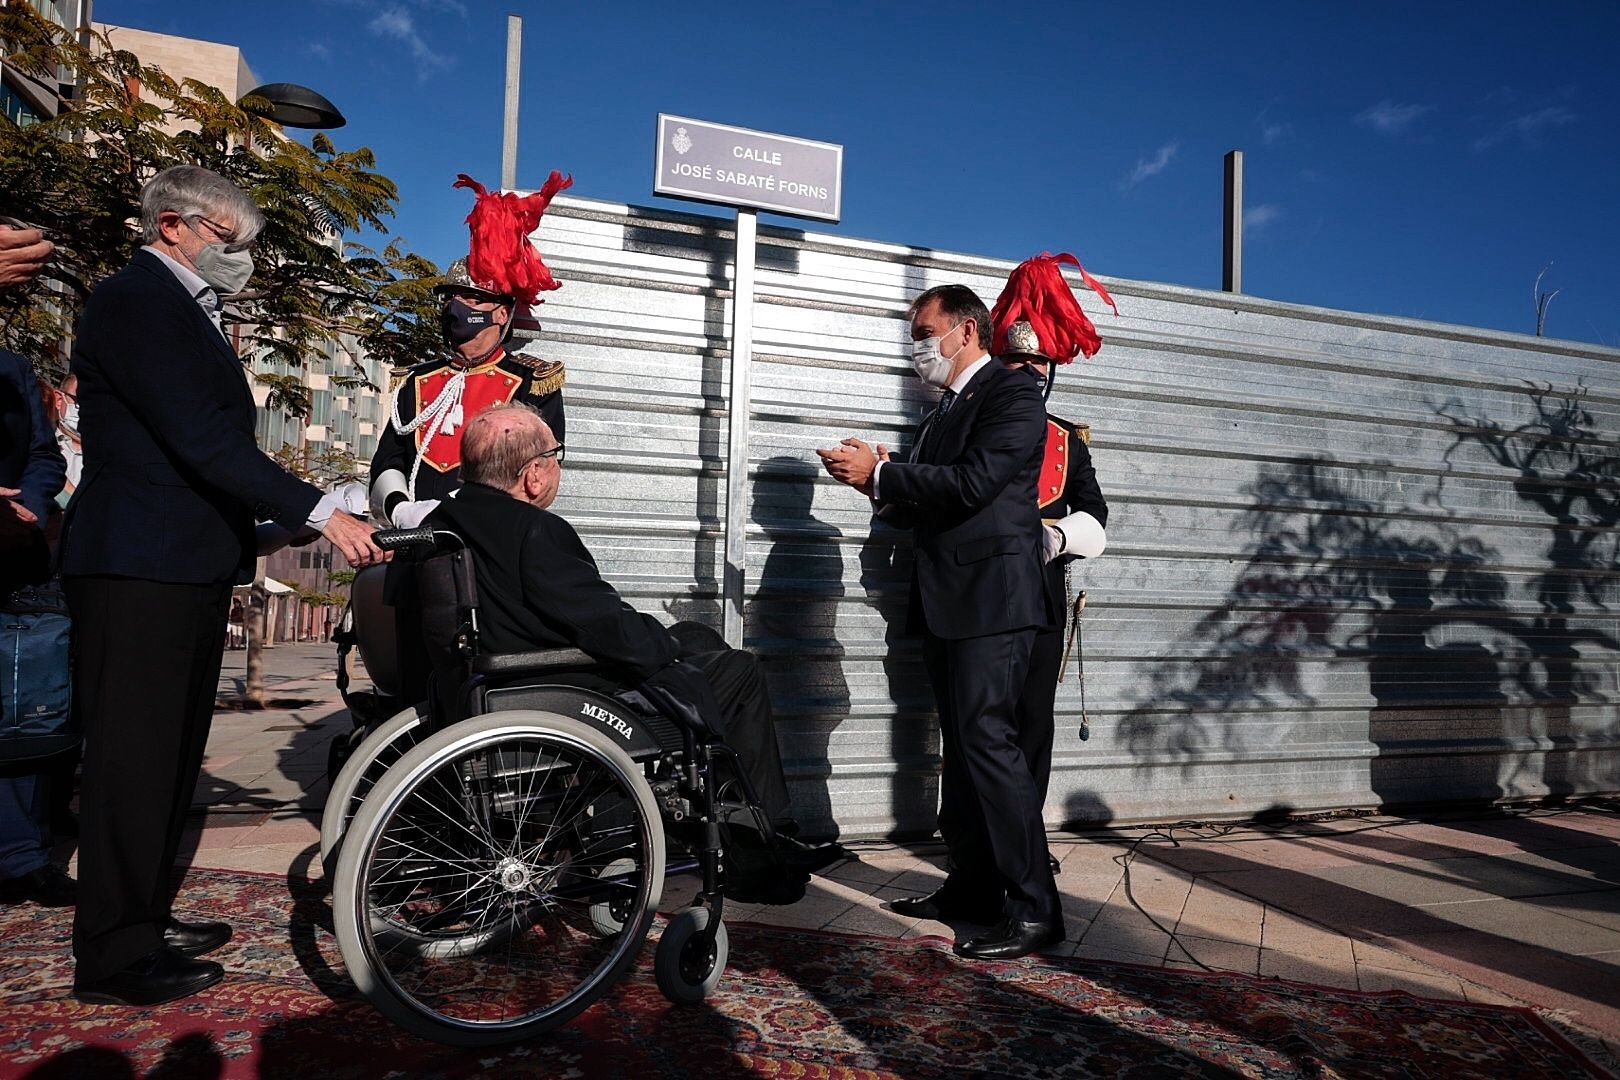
[46,471]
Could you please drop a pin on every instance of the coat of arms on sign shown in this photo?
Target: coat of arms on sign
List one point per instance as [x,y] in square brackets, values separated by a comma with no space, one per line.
[681,142]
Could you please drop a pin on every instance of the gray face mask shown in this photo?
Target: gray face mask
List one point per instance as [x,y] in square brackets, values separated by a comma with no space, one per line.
[226,271]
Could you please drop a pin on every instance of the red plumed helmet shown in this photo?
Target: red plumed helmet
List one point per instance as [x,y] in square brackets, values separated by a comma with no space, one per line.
[500,258]
[1037,313]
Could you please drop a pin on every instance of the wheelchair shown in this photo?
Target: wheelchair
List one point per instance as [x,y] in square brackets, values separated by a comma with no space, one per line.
[498,853]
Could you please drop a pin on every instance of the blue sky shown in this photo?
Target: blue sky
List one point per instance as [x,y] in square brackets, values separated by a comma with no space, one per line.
[1418,159]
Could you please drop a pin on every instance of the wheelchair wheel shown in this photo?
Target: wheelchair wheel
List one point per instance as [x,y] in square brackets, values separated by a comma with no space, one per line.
[608,915]
[465,887]
[373,757]
[688,971]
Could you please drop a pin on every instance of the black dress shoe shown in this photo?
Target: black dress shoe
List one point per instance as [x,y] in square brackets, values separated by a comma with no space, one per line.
[195,938]
[48,886]
[777,886]
[942,903]
[161,975]
[1013,938]
[809,857]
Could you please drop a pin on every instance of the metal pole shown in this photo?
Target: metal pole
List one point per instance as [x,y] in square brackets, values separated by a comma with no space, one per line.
[1232,232]
[514,77]
[742,364]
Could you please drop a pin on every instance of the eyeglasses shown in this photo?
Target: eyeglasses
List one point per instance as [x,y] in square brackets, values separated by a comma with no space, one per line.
[221,234]
[554,452]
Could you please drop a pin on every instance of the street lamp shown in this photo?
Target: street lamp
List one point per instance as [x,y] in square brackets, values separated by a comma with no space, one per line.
[295,106]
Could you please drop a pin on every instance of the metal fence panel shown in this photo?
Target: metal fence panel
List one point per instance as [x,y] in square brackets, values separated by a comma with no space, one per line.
[1353,560]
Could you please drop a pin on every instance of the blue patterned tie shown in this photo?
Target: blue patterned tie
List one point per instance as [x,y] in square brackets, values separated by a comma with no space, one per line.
[945,402]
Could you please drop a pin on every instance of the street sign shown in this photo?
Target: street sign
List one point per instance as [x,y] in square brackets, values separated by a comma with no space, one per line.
[733,166]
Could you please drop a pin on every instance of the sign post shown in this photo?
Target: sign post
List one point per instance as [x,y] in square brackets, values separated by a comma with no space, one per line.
[751,171]
[742,373]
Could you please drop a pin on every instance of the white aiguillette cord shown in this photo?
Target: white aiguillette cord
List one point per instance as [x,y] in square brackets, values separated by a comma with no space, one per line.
[1076,634]
[442,417]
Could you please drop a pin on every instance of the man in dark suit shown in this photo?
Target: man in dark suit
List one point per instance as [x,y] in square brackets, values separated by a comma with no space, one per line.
[978,596]
[538,587]
[161,526]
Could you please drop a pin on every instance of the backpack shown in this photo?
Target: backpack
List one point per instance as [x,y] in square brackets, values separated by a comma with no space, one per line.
[36,697]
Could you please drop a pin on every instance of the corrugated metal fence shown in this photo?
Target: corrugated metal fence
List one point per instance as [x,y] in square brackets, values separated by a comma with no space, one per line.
[1353,560]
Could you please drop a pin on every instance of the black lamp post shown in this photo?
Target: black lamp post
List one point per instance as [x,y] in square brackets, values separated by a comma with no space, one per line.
[295,106]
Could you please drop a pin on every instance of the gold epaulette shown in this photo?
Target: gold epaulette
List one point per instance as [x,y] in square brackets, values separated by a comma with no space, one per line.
[546,376]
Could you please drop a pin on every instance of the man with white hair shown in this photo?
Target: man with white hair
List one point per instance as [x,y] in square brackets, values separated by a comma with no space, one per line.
[538,588]
[161,526]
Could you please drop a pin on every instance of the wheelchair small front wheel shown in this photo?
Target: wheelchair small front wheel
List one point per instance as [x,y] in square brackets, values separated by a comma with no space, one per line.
[608,915]
[687,967]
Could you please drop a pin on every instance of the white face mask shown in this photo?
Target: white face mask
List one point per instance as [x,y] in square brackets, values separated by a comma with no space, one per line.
[226,271]
[931,367]
[70,417]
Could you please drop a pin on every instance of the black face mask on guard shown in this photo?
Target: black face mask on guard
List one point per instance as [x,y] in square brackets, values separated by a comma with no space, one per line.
[461,322]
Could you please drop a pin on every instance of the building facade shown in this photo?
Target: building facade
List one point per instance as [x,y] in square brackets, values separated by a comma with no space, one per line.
[26,101]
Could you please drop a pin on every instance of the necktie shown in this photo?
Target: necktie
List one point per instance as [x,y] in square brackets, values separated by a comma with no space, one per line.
[934,421]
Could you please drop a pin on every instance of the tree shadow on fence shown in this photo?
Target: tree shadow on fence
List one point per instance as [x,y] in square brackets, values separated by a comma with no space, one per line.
[1353,604]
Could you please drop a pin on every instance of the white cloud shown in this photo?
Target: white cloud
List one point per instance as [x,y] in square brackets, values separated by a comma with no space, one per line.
[1527,127]
[320,50]
[1258,217]
[1389,118]
[396,23]
[1270,134]
[1152,166]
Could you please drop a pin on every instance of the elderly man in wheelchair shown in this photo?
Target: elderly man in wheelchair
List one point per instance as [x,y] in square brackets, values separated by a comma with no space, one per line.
[497,860]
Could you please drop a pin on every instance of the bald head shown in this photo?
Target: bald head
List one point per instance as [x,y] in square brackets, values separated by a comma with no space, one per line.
[500,441]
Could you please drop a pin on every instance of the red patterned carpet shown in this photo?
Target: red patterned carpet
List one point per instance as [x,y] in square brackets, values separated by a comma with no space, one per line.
[794,1004]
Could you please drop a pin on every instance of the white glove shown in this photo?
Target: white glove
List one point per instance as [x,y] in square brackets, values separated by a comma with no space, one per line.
[1079,534]
[408,515]
[1053,541]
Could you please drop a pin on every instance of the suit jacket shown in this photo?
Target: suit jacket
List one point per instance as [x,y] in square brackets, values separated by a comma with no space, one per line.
[174,480]
[970,498]
[538,586]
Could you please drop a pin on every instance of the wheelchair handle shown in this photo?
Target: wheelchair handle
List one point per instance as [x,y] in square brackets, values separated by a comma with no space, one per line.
[426,536]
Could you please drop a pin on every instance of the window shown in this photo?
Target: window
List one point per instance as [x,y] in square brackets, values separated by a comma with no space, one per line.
[17,110]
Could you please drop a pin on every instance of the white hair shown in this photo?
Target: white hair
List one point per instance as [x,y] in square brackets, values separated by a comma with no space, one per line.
[193,191]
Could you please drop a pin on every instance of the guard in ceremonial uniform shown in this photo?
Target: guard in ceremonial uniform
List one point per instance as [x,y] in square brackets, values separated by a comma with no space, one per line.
[418,458]
[1039,326]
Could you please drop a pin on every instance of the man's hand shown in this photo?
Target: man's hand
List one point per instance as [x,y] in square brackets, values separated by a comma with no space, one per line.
[18,524]
[353,537]
[22,255]
[851,462]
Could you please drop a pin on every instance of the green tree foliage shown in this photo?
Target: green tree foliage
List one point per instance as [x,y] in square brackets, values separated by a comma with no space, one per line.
[79,174]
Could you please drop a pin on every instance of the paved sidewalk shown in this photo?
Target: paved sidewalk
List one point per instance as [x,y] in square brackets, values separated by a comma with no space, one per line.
[1518,907]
